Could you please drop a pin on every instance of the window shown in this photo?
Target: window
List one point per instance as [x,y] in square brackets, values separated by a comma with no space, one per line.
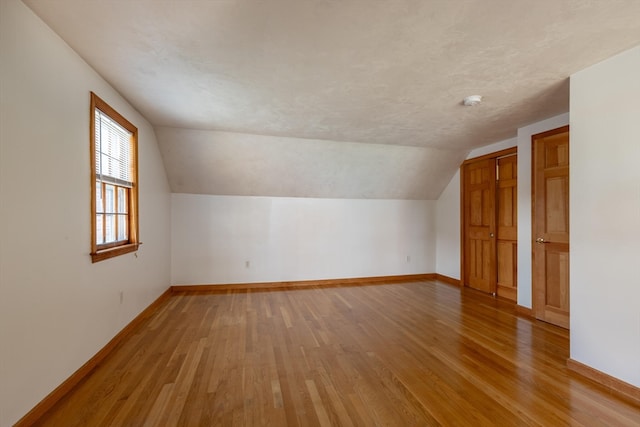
[114,182]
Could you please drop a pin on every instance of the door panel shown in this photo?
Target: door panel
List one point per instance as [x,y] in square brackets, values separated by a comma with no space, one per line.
[507,226]
[551,226]
[507,270]
[479,220]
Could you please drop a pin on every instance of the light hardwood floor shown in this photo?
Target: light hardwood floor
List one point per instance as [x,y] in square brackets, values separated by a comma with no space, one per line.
[404,354]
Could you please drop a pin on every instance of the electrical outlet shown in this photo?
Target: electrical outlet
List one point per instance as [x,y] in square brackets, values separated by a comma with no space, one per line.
[408,258]
[121,296]
[247,264]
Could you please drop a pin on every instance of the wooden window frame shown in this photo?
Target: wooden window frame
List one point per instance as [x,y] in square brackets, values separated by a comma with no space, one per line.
[100,252]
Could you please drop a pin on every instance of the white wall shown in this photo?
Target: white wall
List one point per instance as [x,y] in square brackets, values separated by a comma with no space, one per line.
[57,309]
[240,164]
[448,229]
[605,216]
[286,239]
[492,148]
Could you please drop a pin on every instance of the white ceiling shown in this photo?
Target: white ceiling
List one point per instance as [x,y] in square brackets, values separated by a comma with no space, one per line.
[326,74]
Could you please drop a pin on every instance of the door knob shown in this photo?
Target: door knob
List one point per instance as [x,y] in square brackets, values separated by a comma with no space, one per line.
[490,234]
[540,240]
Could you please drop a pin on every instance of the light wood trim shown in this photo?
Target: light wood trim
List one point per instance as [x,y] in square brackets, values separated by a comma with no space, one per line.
[616,385]
[134,220]
[448,280]
[464,279]
[59,392]
[551,132]
[524,311]
[92,163]
[501,153]
[303,283]
[113,252]
[463,234]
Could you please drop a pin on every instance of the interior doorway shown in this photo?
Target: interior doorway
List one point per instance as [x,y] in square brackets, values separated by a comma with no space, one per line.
[550,226]
[489,223]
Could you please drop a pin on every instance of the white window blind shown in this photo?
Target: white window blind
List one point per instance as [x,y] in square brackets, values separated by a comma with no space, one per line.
[113,151]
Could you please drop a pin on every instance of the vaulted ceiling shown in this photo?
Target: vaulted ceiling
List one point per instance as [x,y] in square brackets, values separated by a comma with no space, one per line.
[327,98]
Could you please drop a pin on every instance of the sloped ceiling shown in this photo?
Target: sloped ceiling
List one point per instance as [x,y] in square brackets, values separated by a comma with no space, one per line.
[233,163]
[324,98]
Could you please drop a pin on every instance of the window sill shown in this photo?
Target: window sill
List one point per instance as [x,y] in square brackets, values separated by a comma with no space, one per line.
[114,252]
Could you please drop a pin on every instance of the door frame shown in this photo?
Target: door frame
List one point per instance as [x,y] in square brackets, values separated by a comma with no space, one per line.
[494,155]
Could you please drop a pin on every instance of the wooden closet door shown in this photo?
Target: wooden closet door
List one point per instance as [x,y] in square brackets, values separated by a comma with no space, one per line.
[507,227]
[479,225]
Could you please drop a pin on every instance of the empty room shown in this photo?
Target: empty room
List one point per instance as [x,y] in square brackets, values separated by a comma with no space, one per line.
[319,213]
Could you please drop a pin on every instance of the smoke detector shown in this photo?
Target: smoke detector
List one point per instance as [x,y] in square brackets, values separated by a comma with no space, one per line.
[472,100]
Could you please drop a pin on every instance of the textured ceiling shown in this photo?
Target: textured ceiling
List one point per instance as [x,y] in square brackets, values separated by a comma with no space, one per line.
[226,163]
[389,73]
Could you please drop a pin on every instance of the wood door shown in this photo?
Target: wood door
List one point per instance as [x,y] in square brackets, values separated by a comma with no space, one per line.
[507,227]
[551,226]
[479,225]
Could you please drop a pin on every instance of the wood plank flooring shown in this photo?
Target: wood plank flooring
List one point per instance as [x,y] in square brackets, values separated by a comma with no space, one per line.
[409,354]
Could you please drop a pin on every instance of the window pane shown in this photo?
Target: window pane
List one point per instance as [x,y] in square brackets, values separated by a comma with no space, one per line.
[105,165]
[122,200]
[99,230]
[114,147]
[122,227]
[115,168]
[98,162]
[110,230]
[99,204]
[109,198]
